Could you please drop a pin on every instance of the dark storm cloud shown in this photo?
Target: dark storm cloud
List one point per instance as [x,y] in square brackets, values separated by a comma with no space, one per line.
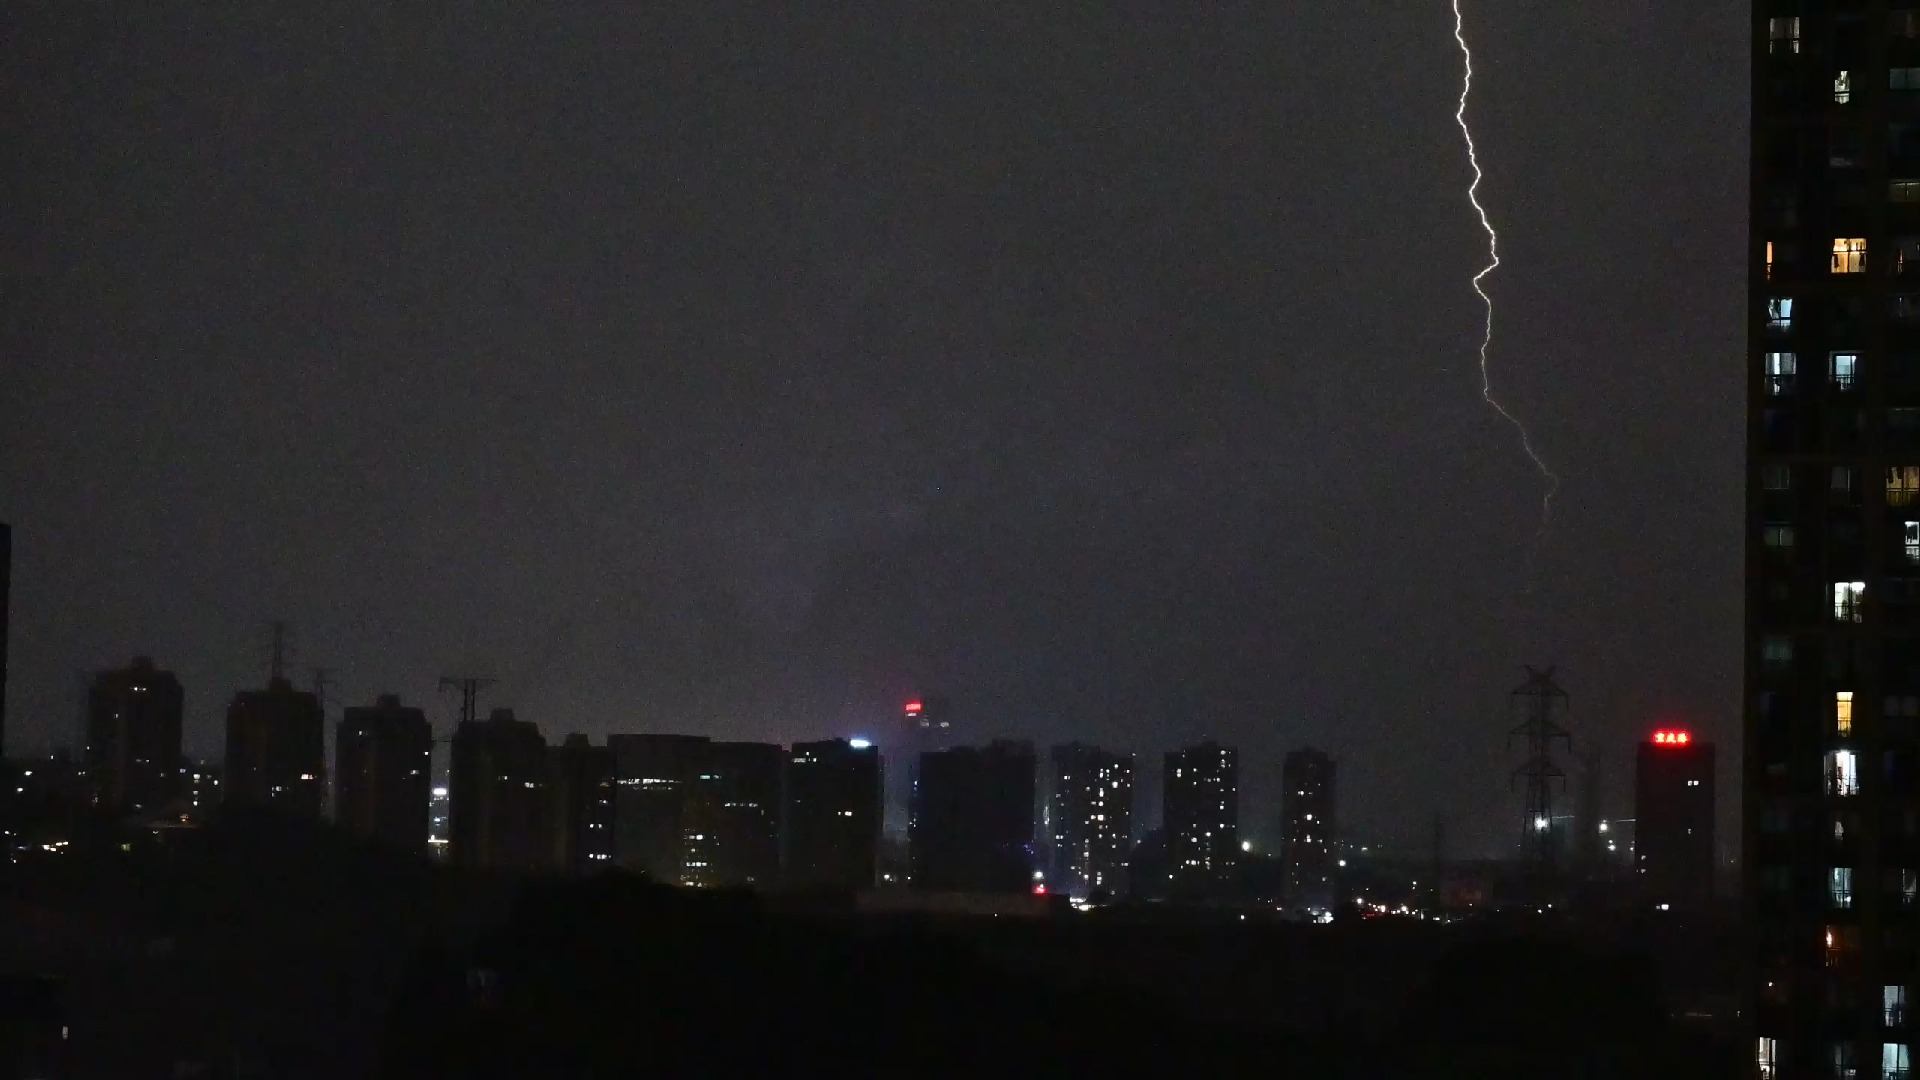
[744,367]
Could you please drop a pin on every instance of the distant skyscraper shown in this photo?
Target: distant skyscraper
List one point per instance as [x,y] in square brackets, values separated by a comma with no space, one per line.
[1090,814]
[656,773]
[440,821]
[731,827]
[1673,852]
[1201,797]
[972,828]
[833,815]
[499,805]
[276,749]
[580,779]
[133,758]
[926,724]
[383,774]
[1307,813]
[201,782]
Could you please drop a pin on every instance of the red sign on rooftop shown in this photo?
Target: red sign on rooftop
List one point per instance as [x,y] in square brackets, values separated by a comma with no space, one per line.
[1672,738]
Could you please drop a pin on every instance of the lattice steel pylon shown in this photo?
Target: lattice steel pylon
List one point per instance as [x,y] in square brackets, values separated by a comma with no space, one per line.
[1537,701]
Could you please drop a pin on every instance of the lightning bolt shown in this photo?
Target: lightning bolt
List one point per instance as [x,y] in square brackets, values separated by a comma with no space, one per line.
[1493,263]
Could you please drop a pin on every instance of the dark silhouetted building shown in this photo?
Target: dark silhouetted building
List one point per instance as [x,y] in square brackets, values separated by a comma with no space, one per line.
[833,815]
[201,782]
[383,774]
[731,829]
[972,824]
[276,750]
[1832,527]
[655,774]
[1307,818]
[1201,803]
[1090,820]
[132,758]
[580,781]
[926,725]
[499,802]
[1673,852]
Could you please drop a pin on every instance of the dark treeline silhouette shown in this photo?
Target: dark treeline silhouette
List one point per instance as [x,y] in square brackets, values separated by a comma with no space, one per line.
[258,945]
[619,977]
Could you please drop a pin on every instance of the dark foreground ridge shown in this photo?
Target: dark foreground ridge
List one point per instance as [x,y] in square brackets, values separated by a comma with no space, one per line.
[260,947]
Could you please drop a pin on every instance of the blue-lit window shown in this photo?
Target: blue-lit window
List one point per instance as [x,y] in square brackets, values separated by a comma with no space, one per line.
[1780,313]
[1783,35]
[1840,887]
[1780,367]
[1844,368]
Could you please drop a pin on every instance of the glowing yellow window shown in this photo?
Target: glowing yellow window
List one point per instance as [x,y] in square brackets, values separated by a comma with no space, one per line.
[1849,255]
[1769,260]
[1903,485]
[1843,713]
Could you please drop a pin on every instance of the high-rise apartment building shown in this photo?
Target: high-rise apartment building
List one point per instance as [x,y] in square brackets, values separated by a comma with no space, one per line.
[580,782]
[1201,804]
[833,815]
[1832,709]
[926,725]
[655,775]
[1673,852]
[1089,820]
[383,774]
[1307,820]
[499,806]
[972,823]
[132,758]
[731,827]
[276,749]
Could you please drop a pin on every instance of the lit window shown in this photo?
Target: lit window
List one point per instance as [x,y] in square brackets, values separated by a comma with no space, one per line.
[1893,1061]
[1893,1001]
[1769,260]
[1780,370]
[1843,773]
[1780,313]
[1909,887]
[1842,87]
[1840,886]
[1768,1058]
[1849,601]
[1837,945]
[1778,476]
[1783,34]
[1843,367]
[1849,254]
[1903,485]
[1843,713]
[1910,541]
[1903,78]
[1903,191]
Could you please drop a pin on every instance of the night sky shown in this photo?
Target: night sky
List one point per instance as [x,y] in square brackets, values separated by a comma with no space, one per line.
[747,368]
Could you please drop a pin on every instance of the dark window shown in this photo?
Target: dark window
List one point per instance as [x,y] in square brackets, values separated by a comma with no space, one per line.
[1903,428]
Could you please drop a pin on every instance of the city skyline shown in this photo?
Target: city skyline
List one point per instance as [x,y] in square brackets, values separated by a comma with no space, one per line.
[1120,382]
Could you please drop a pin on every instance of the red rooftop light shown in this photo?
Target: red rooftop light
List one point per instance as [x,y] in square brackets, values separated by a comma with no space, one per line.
[913,708]
[1672,738]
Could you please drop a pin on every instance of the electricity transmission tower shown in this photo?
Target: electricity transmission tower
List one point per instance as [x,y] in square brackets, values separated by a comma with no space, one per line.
[1538,702]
